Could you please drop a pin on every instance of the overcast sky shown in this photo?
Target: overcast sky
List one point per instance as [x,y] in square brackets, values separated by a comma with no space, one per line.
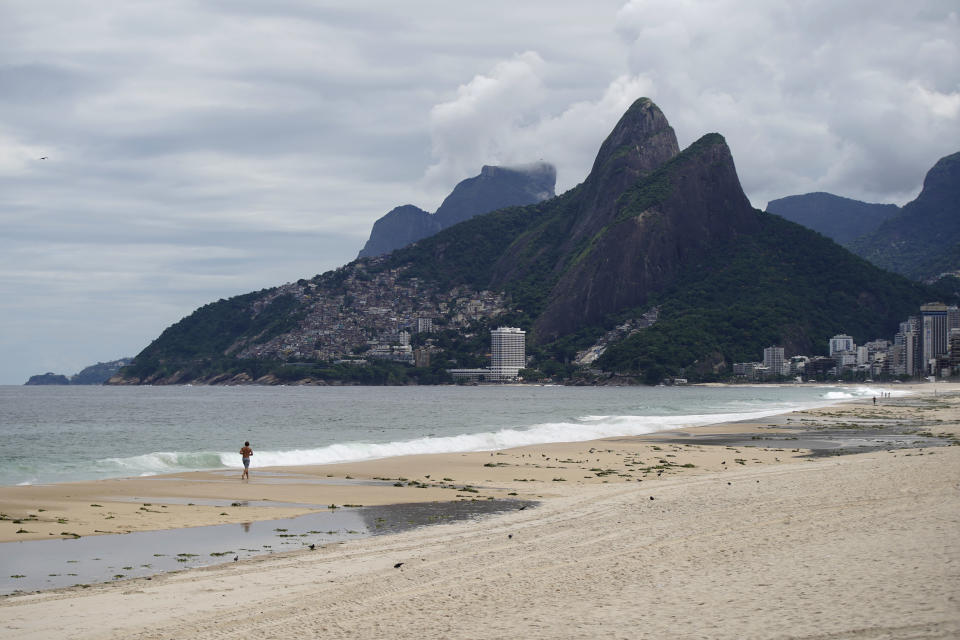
[199,150]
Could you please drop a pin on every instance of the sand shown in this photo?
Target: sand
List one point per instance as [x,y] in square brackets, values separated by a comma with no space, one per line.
[748,542]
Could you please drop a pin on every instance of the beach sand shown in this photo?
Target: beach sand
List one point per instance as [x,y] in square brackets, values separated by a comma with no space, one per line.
[633,537]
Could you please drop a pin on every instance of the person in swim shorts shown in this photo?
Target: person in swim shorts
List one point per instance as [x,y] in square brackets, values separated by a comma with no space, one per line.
[245,453]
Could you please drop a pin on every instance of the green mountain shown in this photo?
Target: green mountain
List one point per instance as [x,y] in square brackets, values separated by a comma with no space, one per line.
[48,378]
[841,219]
[923,240]
[651,227]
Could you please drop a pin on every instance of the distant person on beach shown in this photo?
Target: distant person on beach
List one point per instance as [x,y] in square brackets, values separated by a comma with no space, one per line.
[245,453]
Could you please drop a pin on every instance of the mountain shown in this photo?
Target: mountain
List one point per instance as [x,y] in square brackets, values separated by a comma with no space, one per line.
[48,378]
[842,219]
[100,372]
[652,233]
[94,374]
[494,188]
[923,240]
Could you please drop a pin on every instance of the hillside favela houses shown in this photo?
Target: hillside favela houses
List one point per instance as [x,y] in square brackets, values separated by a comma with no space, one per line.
[927,345]
[507,356]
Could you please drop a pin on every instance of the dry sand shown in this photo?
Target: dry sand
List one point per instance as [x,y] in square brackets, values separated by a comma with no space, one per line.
[749,542]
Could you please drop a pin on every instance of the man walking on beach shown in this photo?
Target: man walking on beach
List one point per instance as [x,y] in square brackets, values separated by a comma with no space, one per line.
[245,453]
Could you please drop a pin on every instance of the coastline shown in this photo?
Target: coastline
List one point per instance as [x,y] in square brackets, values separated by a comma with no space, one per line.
[533,472]
[782,544]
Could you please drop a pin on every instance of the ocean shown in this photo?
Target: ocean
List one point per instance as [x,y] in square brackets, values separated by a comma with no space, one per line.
[62,433]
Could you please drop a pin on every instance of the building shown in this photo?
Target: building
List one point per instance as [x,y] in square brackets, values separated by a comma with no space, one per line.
[424,325]
[773,360]
[747,370]
[954,351]
[841,343]
[508,353]
[934,330]
[819,368]
[908,363]
[798,365]
[472,375]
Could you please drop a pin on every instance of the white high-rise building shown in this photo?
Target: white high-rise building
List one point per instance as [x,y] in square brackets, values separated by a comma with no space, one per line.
[773,360]
[841,344]
[508,353]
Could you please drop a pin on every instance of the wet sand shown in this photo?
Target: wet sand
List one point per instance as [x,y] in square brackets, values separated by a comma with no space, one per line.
[724,531]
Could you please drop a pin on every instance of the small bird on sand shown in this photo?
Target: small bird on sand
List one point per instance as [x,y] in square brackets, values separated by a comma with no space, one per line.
[235,558]
[522,508]
[312,547]
[509,536]
[398,565]
[651,497]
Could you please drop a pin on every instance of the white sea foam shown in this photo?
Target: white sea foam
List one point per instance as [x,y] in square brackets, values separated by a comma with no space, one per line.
[327,437]
[586,428]
[863,391]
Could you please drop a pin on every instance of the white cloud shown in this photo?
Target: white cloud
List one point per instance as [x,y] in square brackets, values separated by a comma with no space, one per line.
[263,139]
[504,117]
[857,98]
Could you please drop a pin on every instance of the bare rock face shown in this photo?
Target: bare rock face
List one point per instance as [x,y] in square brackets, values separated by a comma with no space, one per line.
[659,225]
[625,233]
[495,188]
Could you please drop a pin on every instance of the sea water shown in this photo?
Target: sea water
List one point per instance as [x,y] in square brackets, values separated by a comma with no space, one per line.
[62,433]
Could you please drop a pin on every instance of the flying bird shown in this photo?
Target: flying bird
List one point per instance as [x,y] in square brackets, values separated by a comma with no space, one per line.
[44,158]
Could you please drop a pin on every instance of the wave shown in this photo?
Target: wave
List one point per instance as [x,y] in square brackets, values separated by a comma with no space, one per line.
[864,391]
[580,430]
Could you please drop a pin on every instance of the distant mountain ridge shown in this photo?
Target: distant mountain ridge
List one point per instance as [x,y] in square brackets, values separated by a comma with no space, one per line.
[94,374]
[921,240]
[495,188]
[650,227]
[842,219]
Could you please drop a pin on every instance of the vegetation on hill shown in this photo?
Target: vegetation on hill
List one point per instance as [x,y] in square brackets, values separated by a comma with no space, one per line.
[842,219]
[785,285]
[649,227]
[923,240]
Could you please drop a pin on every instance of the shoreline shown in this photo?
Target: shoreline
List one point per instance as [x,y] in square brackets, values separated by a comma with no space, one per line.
[531,472]
[865,545]
[755,540]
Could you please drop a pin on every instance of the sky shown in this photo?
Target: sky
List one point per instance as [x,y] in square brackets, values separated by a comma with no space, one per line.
[157,156]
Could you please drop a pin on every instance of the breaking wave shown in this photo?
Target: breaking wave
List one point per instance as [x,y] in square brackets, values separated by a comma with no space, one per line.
[590,427]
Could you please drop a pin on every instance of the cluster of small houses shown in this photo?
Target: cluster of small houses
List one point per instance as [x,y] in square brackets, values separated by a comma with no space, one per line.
[926,345]
[370,315]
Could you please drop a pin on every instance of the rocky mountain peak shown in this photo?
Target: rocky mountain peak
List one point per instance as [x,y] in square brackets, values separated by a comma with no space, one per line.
[640,142]
[494,188]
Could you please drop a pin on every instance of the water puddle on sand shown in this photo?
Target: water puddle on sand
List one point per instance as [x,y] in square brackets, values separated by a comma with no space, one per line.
[34,565]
